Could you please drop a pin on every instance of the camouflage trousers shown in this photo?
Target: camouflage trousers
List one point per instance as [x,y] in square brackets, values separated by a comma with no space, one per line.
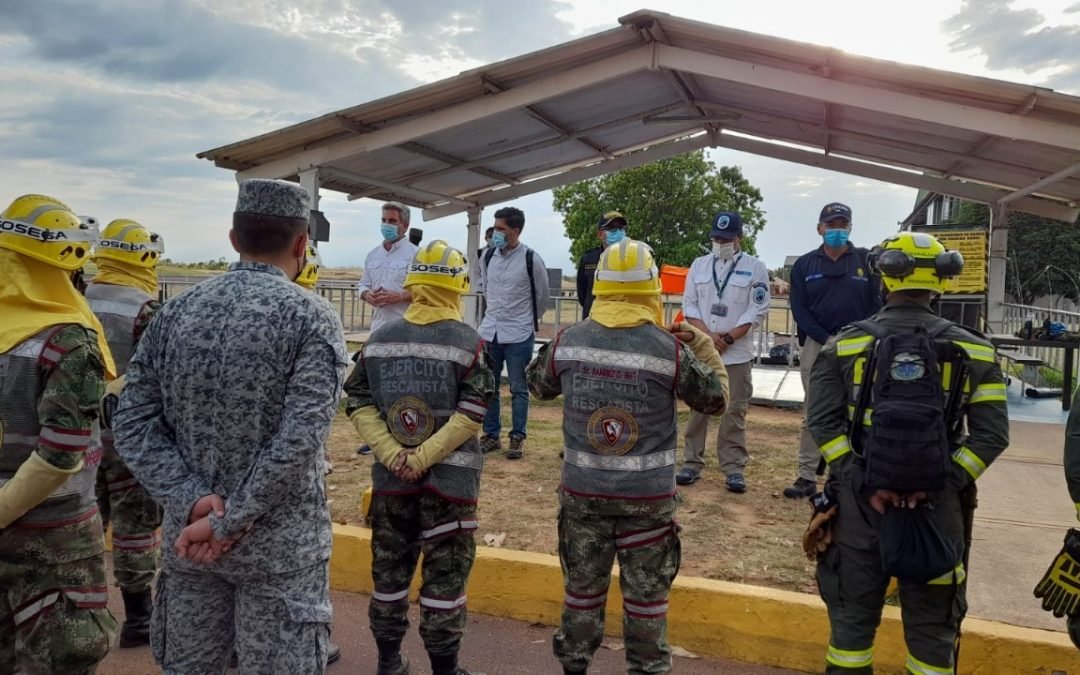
[53,595]
[648,549]
[403,527]
[277,623]
[135,519]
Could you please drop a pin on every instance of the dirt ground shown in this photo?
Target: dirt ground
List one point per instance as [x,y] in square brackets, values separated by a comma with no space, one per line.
[750,538]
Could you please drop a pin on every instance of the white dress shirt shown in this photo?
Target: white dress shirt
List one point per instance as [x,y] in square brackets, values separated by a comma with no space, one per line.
[386,270]
[505,281]
[746,297]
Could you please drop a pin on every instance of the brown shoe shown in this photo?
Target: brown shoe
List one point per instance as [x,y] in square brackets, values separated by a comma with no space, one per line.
[517,447]
[489,444]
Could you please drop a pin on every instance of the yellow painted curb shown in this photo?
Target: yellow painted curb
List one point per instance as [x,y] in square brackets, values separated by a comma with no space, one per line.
[717,618]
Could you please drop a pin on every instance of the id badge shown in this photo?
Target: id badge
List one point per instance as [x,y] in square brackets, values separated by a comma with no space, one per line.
[719,309]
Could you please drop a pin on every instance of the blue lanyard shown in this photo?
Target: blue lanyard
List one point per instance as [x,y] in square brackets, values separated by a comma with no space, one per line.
[716,282]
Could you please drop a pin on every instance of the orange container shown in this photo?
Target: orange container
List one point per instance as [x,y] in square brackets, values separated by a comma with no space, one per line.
[673,279]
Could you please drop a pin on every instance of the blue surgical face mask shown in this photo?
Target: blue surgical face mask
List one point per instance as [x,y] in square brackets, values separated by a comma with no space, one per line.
[613,237]
[836,238]
[498,240]
[389,232]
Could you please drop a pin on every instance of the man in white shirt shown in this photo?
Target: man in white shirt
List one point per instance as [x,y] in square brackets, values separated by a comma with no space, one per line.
[386,265]
[727,295]
[515,286]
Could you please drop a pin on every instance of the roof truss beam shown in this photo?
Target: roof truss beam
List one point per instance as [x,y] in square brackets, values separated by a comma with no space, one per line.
[584,76]
[427,196]
[935,111]
[547,120]
[969,191]
[625,161]
[531,147]
[1040,184]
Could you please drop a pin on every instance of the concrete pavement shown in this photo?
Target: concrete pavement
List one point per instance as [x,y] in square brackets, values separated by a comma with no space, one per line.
[492,646]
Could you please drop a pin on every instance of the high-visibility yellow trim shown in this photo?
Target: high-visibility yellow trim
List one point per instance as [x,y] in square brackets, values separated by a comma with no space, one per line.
[853,346]
[836,448]
[866,414]
[918,667]
[976,352]
[953,577]
[846,658]
[1078,511]
[859,371]
[970,461]
[946,375]
[988,393]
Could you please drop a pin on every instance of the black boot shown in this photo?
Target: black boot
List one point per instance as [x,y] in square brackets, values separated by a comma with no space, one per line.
[567,671]
[445,664]
[391,662]
[138,606]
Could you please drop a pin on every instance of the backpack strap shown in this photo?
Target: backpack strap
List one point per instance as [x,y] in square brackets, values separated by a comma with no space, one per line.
[532,289]
[873,328]
[487,257]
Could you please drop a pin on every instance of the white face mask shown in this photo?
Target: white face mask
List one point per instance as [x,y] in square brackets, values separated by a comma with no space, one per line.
[723,250]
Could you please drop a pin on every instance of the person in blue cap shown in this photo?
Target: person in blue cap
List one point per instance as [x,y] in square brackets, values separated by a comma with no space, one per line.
[610,229]
[831,287]
[726,296]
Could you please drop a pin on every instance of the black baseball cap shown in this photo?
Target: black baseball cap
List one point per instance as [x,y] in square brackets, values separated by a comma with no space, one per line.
[833,211]
[612,220]
[726,225]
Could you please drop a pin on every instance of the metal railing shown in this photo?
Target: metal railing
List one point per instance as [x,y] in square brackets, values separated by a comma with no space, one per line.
[563,310]
[1015,316]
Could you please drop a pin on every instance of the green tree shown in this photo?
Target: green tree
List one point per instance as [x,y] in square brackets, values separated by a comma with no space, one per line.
[668,204]
[1044,254]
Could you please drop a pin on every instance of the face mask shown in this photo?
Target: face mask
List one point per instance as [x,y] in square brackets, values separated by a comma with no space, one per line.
[612,237]
[836,238]
[724,251]
[389,232]
[498,239]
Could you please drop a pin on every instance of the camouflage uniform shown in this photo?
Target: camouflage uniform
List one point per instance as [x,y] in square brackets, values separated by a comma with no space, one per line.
[124,313]
[232,392]
[619,388]
[850,576]
[53,590]
[418,376]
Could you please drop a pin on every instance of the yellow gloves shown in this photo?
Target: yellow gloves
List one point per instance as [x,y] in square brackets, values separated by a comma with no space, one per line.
[458,429]
[109,401]
[704,349]
[33,482]
[1059,588]
[383,444]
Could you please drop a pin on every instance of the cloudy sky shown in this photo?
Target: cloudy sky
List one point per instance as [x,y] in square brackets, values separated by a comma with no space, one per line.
[104,104]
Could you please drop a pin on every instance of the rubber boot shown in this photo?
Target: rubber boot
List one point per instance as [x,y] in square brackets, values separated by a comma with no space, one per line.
[445,664]
[391,662]
[138,605]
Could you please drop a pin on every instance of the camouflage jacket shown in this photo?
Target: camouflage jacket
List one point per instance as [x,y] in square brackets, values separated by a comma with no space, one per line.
[232,391]
[839,371]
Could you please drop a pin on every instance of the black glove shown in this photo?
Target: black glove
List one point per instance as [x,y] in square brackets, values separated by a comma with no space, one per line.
[1059,588]
[824,500]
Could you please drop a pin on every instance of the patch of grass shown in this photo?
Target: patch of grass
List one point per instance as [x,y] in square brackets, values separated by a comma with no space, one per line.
[751,538]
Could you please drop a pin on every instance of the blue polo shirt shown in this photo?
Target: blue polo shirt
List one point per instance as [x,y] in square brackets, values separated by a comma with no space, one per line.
[828,294]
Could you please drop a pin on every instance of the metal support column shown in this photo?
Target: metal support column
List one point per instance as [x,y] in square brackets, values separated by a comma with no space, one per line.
[309,179]
[997,263]
[472,303]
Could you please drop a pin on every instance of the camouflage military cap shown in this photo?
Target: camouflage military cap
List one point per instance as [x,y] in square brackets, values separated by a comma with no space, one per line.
[273,198]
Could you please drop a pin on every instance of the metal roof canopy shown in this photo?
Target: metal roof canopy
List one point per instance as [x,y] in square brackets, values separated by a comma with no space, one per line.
[659,86]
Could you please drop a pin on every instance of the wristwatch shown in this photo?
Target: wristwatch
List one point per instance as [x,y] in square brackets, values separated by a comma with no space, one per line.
[728,339]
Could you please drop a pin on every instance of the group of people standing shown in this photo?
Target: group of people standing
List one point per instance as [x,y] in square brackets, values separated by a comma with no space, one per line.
[220,401]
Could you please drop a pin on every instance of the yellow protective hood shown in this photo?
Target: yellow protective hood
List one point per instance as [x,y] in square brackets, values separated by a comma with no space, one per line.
[120,274]
[431,303]
[627,311]
[35,295]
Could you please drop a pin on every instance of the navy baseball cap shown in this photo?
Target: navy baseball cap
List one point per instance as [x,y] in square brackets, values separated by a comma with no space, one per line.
[611,221]
[833,211]
[726,225]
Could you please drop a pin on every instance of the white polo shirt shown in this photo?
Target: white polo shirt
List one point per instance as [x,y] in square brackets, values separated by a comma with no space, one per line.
[744,281]
[386,269]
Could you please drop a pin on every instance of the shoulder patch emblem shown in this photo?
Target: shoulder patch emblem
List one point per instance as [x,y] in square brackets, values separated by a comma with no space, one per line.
[760,294]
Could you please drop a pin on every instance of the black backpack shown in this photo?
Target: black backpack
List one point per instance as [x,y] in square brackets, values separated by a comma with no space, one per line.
[532,282]
[906,447]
